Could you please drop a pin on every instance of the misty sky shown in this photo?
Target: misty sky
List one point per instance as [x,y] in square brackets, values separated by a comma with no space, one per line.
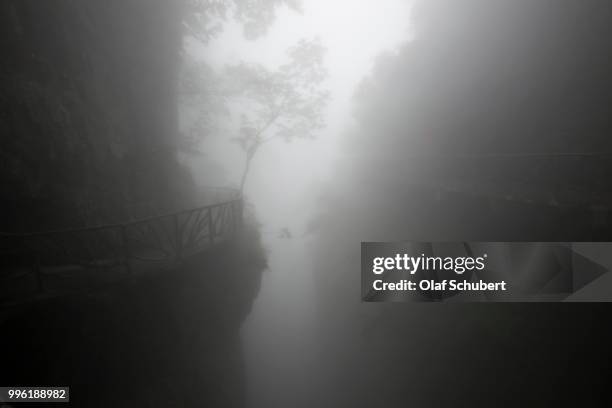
[354,33]
[286,179]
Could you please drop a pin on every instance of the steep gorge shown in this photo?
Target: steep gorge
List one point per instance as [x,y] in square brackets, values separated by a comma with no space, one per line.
[88,126]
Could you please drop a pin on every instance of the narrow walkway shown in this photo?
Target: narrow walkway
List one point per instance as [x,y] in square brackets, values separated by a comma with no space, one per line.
[57,263]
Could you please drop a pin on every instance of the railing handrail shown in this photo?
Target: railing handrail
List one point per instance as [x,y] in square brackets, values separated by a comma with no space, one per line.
[117,225]
[522,155]
[122,250]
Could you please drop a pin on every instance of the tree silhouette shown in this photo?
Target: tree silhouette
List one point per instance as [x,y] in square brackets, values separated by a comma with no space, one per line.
[204,18]
[202,98]
[286,103]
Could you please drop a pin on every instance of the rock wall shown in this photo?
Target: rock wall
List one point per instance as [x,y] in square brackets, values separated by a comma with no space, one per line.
[87,110]
[169,339]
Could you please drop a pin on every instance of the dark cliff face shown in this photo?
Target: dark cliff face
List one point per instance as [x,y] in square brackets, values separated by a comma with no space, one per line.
[169,339]
[87,110]
[476,82]
[88,122]
[506,103]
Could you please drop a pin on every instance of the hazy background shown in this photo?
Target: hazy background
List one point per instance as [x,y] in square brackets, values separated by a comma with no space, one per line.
[471,120]
[280,335]
[449,120]
[288,177]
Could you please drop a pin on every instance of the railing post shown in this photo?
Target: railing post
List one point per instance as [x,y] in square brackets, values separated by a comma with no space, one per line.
[211,226]
[239,214]
[179,238]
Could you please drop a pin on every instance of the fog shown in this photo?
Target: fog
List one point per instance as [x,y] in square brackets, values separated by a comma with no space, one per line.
[281,334]
[187,184]
[288,177]
[432,105]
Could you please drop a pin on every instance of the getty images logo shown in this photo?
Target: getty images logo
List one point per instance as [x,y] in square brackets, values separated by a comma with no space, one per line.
[412,264]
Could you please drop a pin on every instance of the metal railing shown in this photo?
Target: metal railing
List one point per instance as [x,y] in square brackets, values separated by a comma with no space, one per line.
[561,179]
[132,247]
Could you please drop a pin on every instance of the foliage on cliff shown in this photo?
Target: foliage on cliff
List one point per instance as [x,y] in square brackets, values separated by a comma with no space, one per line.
[88,111]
